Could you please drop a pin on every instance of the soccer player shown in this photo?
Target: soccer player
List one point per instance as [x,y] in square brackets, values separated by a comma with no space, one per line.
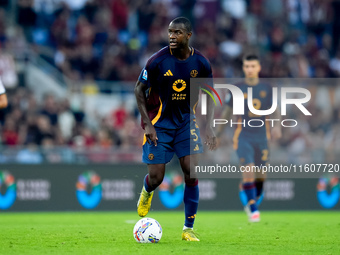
[251,143]
[162,93]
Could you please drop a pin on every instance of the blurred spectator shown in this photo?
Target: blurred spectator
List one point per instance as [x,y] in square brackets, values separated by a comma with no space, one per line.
[50,154]
[50,109]
[44,130]
[66,120]
[10,135]
[335,64]
[26,17]
[29,155]
[119,116]
[103,139]
[120,12]
[7,70]
[4,3]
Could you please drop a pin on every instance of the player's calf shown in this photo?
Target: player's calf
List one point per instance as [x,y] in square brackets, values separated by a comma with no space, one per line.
[251,207]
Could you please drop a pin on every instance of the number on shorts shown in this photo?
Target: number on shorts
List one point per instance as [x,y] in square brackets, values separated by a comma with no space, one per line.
[193,132]
[265,155]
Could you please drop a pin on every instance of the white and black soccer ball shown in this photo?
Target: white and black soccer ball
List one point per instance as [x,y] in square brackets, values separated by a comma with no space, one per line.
[147,230]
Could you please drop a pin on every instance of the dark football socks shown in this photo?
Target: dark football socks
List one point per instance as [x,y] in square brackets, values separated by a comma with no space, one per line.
[191,196]
[250,190]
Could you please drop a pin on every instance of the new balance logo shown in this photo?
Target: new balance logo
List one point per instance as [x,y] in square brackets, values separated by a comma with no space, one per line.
[196,148]
[168,73]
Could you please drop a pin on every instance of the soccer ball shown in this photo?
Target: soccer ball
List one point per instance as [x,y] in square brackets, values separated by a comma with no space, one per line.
[147,230]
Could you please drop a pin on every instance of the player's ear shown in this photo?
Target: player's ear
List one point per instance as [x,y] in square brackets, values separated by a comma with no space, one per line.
[189,35]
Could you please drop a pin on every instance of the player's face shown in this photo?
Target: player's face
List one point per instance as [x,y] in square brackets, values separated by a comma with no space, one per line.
[178,36]
[251,68]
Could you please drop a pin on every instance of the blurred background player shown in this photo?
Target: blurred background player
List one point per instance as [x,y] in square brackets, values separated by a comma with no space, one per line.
[168,118]
[251,143]
[3,96]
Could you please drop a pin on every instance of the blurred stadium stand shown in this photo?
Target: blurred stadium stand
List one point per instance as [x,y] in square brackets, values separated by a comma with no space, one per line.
[76,63]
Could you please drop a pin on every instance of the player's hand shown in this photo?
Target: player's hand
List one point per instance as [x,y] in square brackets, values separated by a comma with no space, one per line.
[276,133]
[210,139]
[151,135]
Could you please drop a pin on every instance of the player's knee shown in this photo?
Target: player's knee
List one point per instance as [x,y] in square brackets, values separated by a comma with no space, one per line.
[260,179]
[191,181]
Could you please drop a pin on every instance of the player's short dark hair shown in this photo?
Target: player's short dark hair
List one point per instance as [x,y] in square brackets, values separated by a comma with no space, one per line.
[184,21]
[250,57]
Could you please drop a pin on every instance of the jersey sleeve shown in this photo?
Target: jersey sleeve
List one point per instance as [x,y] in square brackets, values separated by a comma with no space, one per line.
[146,75]
[2,88]
[207,69]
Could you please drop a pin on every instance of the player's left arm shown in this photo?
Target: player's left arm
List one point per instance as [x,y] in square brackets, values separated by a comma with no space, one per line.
[210,134]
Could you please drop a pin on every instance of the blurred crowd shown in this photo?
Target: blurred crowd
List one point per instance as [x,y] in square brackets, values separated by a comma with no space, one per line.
[110,40]
[56,122]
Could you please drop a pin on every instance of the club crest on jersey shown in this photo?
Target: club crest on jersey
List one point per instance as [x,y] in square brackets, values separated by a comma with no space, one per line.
[151,156]
[263,93]
[193,73]
[145,75]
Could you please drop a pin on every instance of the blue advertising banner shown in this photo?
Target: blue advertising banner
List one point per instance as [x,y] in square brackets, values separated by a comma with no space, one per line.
[117,187]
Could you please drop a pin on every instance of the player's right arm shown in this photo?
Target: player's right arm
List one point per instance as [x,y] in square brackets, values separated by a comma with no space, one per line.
[226,115]
[150,131]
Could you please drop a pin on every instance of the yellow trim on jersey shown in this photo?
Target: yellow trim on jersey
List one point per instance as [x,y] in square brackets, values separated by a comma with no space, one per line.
[267,130]
[170,51]
[158,114]
[237,134]
[153,122]
[144,139]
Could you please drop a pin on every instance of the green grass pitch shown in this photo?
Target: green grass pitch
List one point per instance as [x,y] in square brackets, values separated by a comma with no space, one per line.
[220,233]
